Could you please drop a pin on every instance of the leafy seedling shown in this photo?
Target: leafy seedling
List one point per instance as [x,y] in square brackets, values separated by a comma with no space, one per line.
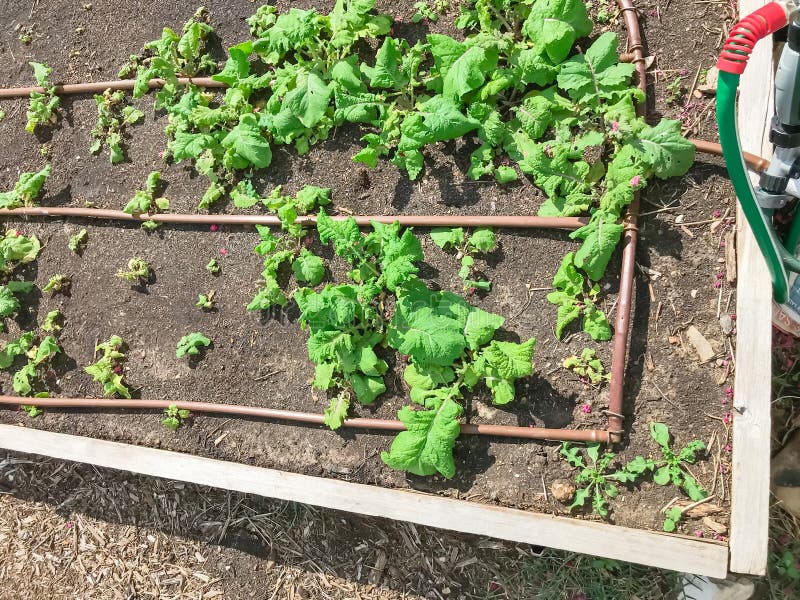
[108,370]
[77,242]
[138,271]
[213,267]
[674,90]
[43,105]
[191,344]
[26,190]
[175,416]
[670,469]
[206,301]
[466,247]
[576,300]
[588,367]
[145,201]
[28,380]
[429,10]
[31,410]
[113,115]
[595,481]
[58,283]
[672,518]
[53,321]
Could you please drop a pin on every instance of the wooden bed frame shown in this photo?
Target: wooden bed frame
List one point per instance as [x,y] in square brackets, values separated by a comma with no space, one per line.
[746,551]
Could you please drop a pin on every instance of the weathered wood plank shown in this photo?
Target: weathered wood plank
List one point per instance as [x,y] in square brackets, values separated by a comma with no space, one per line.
[752,383]
[621,543]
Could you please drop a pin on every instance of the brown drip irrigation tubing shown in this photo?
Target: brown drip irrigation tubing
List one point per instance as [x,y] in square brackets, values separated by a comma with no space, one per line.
[532,433]
[623,320]
[757,163]
[101,86]
[512,221]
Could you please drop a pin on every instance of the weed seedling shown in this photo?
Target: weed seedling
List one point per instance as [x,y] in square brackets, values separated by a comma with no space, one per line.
[58,283]
[113,115]
[466,247]
[674,90]
[213,267]
[206,301]
[429,11]
[43,105]
[588,367]
[670,469]
[673,517]
[108,370]
[175,416]
[138,272]
[77,242]
[595,482]
[191,344]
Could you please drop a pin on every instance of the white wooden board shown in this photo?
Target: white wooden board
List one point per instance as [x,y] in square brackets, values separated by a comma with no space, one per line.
[752,384]
[633,545]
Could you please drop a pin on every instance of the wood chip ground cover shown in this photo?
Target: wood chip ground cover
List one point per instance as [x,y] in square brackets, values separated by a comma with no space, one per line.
[260,360]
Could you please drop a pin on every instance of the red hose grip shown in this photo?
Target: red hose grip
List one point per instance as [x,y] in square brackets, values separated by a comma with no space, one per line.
[744,35]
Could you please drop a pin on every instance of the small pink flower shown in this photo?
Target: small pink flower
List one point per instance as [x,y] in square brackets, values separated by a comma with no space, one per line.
[727,418]
[698,533]
[117,369]
[733,317]
[586,408]
[720,276]
[725,362]
[635,181]
[719,537]
[727,448]
[68,524]
[717,214]
[717,284]
[684,72]
[729,391]
[724,400]
[723,468]
[223,251]
[214,227]
[614,126]
[161,154]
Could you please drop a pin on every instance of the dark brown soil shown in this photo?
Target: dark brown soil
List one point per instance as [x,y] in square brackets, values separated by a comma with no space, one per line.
[261,359]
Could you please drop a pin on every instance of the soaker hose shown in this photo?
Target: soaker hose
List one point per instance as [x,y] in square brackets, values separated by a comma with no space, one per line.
[731,64]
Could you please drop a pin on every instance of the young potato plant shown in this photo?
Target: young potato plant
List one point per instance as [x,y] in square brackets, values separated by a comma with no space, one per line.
[191,344]
[588,367]
[447,343]
[108,369]
[15,250]
[113,115]
[43,105]
[26,190]
[288,249]
[466,247]
[670,469]
[138,271]
[596,481]
[28,380]
[147,201]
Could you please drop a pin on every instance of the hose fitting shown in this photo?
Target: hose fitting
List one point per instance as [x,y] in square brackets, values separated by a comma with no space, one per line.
[755,26]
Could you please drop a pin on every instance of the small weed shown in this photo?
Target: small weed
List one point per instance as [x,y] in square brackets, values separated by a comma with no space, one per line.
[588,367]
[429,10]
[674,90]
[670,468]
[673,517]
[145,201]
[466,247]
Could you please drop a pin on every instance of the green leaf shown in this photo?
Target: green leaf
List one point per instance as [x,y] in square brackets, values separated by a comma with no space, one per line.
[693,489]
[41,73]
[8,302]
[336,412]
[504,174]
[483,239]
[308,101]
[78,241]
[25,379]
[596,324]
[426,447]
[247,142]
[502,390]
[511,360]
[47,348]
[581,496]
[445,237]
[386,73]
[660,433]
[311,197]
[244,195]
[427,377]
[308,268]
[468,72]
[366,387]
[600,239]
[191,344]
[665,149]
[323,375]
[480,327]
[661,476]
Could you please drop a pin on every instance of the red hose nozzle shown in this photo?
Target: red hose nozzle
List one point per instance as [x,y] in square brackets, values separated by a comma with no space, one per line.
[744,35]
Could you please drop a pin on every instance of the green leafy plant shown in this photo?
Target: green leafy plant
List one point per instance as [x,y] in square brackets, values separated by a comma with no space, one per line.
[587,366]
[15,250]
[191,344]
[206,301]
[43,105]
[52,322]
[596,481]
[58,283]
[674,90]
[576,298]
[138,271]
[429,10]
[145,201]
[174,416]
[670,468]
[466,247]
[672,518]
[213,266]
[113,115]
[77,242]
[26,190]
[108,369]
[28,380]
[31,410]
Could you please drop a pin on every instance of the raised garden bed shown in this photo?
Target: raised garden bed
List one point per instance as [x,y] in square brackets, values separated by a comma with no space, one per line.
[501,487]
